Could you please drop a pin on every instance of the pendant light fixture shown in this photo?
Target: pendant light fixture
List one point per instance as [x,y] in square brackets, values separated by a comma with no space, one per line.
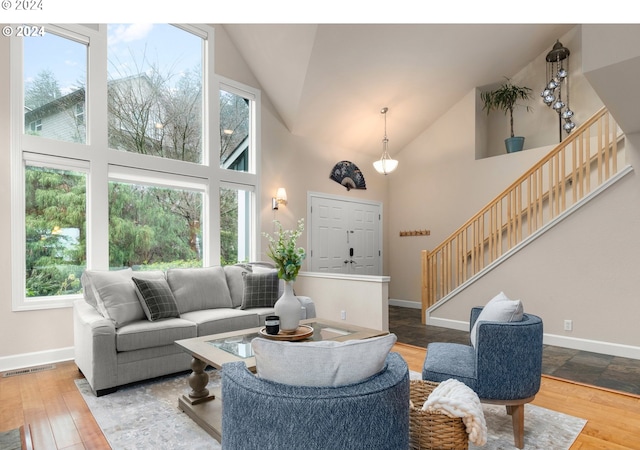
[552,95]
[385,164]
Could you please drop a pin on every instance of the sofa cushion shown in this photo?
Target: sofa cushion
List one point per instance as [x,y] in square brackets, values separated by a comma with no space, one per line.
[321,363]
[499,309]
[199,288]
[235,282]
[222,320]
[115,293]
[260,289]
[145,334]
[156,299]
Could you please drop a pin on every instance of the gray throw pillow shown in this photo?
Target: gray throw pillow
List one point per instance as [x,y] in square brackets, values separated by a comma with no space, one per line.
[321,363]
[115,293]
[260,290]
[499,309]
[156,299]
[199,288]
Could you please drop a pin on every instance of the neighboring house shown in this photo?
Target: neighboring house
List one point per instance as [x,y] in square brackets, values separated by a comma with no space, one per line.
[62,119]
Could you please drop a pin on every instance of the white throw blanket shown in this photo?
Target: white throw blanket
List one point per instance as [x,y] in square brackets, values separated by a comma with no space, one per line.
[456,399]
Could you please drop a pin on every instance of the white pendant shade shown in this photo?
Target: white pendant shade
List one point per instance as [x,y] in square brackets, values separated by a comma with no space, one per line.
[385,166]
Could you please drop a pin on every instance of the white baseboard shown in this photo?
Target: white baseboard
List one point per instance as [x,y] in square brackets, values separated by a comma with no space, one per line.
[607,348]
[24,360]
[405,303]
[448,323]
[587,345]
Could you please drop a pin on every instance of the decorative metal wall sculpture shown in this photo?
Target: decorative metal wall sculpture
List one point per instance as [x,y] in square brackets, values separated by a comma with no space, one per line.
[348,175]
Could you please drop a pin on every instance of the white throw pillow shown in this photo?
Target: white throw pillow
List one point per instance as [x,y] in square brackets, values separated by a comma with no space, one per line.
[499,309]
[321,363]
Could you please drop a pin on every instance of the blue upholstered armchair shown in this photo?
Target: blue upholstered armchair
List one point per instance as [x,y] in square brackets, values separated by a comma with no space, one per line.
[260,414]
[504,368]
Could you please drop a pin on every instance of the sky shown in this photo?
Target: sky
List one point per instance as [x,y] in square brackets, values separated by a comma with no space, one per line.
[172,49]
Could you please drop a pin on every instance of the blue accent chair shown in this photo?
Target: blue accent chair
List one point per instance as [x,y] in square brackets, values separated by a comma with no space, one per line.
[504,368]
[261,414]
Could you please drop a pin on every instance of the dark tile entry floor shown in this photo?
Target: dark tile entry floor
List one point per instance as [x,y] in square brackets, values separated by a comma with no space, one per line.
[611,372]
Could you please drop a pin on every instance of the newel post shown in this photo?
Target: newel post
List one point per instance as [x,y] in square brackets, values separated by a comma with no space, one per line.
[425,283]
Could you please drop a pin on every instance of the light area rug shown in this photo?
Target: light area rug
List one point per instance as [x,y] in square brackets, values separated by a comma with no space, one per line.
[11,440]
[146,416]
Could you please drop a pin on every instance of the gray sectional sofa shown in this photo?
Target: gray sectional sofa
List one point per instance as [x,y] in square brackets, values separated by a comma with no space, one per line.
[127,321]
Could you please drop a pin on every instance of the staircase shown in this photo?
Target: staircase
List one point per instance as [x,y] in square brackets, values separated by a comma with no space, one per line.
[576,170]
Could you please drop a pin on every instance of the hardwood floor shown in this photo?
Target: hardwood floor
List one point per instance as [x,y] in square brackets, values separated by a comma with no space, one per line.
[613,418]
[50,405]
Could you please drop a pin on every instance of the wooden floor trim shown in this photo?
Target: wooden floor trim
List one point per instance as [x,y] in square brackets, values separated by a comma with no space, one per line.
[591,386]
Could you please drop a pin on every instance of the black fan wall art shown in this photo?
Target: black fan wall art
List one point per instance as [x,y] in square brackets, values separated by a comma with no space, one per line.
[348,175]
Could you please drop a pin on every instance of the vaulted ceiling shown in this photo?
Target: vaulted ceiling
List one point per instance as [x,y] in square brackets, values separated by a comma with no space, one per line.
[329,82]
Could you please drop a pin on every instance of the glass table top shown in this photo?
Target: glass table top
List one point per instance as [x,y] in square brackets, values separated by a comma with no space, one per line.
[240,345]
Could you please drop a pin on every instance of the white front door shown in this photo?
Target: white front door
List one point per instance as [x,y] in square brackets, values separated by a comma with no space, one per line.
[344,236]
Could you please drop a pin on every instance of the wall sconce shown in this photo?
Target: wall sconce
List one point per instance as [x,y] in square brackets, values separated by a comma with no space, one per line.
[279,199]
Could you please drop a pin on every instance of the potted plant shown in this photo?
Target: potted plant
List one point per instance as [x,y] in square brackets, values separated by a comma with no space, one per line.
[506,98]
[287,256]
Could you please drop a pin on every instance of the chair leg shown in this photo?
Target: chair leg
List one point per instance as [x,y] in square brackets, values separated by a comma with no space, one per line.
[517,419]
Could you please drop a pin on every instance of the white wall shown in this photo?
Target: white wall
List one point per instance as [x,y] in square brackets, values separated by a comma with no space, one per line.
[361,300]
[301,166]
[585,269]
[539,126]
[440,184]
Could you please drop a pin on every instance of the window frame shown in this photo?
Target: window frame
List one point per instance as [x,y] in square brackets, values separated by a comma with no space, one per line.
[104,164]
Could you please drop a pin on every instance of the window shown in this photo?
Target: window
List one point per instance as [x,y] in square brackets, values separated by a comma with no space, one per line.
[55,73]
[235,123]
[115,163]
[235,224]
[35,127]
[79,114]
[152,227]
[55,230]
[155,91]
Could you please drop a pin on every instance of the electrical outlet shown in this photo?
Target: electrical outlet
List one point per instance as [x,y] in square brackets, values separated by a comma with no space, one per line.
[343,315]
[568,325]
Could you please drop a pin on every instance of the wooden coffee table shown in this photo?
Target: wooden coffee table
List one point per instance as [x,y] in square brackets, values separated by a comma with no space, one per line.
[217,349]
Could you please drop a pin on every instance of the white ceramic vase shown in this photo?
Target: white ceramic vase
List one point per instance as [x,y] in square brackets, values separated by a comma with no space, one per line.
[288,309]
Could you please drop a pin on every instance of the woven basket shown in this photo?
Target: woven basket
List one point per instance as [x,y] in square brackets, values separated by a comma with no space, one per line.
[433,430]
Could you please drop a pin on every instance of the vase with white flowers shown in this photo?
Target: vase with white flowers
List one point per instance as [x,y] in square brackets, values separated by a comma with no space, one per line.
[287,256]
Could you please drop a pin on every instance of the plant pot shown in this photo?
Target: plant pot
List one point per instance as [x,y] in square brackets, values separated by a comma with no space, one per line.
[514,144]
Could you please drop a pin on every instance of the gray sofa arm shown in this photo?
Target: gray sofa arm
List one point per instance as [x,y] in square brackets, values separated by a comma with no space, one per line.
[94,347]
[308,306]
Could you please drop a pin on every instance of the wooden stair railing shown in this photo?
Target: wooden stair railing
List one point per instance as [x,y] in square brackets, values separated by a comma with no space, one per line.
[574,168]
